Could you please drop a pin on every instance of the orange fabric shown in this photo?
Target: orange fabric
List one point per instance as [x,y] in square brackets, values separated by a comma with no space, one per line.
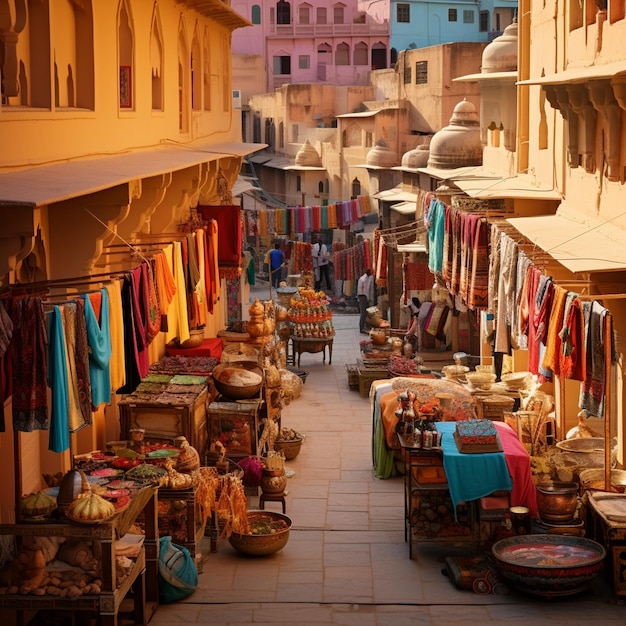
[96,303]
[388,407]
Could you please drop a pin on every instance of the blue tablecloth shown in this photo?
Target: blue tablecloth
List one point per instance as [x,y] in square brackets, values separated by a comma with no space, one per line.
[471,476]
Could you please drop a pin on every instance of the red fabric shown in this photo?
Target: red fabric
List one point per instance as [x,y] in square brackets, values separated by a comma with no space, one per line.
[518,462]
[228,220]
[209,347]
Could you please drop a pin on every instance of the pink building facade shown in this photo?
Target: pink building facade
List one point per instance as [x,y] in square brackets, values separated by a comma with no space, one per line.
[325,41]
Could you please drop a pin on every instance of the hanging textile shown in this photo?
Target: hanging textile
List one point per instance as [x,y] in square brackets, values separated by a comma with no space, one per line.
[519,339]
[116,331]
[153,313]
[417,277]
[551,360]
[435,235]
[573,356]
[180,299]
[332,216]
[165,286]
[133,377]
[6,333]
[212,258]
[200,291]
[262,222]
[251,223]
[99,339]
[28,353]
[592,391]
[478,271]
[77,362]
[228,219]
[59,436]
[507,265]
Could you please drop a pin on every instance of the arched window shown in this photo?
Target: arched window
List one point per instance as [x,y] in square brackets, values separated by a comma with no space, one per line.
[196,74]
[324,54]
[206,69]
[342,54]
[356,188]
[125,53]
[183,80]
[283,12]
[255,17]
[361,54]
[338,13]
[320,187]
[156,61]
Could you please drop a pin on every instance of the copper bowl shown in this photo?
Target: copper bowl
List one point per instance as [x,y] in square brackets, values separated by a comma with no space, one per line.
[557,501]
[549,565]
[274,539]
[234,391]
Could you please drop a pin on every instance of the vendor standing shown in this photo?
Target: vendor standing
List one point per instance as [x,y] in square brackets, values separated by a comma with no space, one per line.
[277,260]
[365,296]
[414,330]
[321,259]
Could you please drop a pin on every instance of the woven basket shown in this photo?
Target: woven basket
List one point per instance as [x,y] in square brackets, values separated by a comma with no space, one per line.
[290,448]
[495,407]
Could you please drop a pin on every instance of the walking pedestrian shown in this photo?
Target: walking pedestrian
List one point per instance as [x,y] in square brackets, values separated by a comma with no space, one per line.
[277,260]
[365,298]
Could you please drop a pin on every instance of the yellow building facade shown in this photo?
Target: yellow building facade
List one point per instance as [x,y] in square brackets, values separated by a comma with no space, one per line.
[116,120]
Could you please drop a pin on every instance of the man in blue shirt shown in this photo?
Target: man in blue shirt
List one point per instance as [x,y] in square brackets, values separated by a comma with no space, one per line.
[277,260]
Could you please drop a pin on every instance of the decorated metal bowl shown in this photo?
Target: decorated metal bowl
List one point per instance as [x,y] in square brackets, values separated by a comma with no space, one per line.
[239,380]
[269,533]
[549,565]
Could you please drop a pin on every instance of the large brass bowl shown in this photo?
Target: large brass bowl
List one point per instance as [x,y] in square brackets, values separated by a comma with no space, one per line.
[549,565]
[232,391]
[266,543]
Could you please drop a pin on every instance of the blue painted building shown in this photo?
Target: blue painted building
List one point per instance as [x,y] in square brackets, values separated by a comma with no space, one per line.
[423,23]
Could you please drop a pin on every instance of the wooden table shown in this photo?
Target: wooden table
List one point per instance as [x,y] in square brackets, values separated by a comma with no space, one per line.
[312,345]
[142,578]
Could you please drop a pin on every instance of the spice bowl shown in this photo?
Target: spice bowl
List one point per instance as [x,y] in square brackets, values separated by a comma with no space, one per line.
[269,533]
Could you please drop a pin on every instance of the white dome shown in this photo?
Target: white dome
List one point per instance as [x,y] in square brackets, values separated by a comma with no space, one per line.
[458,144]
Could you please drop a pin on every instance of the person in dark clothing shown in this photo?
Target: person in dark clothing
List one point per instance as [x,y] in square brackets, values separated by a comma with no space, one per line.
[277,260]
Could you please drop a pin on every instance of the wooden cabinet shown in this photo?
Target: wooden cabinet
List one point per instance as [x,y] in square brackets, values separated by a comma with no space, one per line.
[142,578]
[236,425]
[187,417]
[429,513]
[181,517]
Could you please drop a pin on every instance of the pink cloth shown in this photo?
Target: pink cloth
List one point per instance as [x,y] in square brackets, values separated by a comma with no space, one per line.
[518,462]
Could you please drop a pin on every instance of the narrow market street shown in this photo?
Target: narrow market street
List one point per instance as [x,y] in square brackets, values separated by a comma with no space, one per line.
[346,561]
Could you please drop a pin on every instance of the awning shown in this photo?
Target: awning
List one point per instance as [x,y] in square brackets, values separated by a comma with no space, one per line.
[579,74]
[579,242]
[360,114]
[242,184]
[487,77]
[304,168]
[46,184]
[279,163]
[405,208]
[397,194]
[514,187]
[468,171]
[219,11]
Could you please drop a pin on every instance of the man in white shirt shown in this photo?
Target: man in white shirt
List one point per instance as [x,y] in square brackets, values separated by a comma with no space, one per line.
[364,296]
[320,264]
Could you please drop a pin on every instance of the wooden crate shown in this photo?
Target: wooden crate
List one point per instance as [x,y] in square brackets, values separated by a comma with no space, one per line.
[236,425]
[168,420]
[185,524]
[367,377]
[353,375]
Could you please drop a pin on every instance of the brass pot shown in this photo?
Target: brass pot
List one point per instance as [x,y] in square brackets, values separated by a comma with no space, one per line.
[557,501]
[273,481]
